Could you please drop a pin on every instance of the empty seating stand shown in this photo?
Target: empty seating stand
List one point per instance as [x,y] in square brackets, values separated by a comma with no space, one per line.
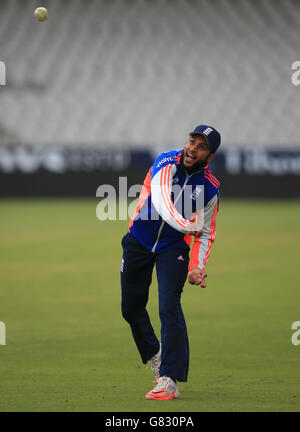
[143,72]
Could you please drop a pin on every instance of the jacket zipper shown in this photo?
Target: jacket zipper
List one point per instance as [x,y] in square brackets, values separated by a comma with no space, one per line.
[163,222]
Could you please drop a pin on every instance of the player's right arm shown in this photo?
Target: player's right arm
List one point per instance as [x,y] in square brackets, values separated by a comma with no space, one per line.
[162,174]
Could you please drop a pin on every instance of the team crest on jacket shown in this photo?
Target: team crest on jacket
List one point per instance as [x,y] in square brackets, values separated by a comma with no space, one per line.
[196,192]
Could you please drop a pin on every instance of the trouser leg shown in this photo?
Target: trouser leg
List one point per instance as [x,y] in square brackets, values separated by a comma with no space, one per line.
[171,274]
[136,275]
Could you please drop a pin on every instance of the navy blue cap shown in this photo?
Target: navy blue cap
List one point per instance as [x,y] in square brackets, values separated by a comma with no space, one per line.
[212,136]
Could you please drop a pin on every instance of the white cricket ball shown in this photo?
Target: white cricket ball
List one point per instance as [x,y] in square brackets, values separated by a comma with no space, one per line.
[41,14]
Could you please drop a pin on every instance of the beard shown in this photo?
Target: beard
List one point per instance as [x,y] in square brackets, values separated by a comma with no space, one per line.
[196,167]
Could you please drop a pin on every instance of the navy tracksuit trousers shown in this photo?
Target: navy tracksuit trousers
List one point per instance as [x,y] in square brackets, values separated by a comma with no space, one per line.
[136,276]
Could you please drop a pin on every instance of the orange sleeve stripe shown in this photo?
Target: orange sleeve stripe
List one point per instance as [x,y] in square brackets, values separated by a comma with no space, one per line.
[208,171]
[164,184]
[212,235]
[212,178]
[212,181]
[145,192]
[194,261]
[188,239]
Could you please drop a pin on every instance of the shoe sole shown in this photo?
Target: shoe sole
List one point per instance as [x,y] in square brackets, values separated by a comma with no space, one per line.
[162,397]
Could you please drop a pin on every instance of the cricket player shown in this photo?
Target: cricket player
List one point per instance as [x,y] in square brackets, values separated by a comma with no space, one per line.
[160,233]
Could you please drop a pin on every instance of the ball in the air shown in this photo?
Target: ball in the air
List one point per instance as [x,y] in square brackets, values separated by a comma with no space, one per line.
[41,14]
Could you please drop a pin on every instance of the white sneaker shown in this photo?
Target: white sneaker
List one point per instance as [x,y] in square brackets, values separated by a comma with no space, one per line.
[165,389]
[154,362]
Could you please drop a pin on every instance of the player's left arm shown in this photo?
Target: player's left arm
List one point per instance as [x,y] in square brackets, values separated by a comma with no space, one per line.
[201,248]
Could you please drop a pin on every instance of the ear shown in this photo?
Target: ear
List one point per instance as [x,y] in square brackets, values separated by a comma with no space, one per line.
[210,157]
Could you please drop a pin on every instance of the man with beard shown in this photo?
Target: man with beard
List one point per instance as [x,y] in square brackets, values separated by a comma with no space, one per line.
[160,233]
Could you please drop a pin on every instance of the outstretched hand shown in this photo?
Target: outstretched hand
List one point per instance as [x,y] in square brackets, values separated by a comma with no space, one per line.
[197,277]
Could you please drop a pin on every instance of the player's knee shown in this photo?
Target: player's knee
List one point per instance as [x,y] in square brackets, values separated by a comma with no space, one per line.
[171,314]
[127,313]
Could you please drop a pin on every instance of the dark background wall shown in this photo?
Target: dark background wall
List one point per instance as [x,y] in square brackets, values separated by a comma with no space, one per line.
[71,172]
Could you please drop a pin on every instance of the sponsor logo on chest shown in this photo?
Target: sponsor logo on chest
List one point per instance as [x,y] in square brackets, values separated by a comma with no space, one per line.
[166,159]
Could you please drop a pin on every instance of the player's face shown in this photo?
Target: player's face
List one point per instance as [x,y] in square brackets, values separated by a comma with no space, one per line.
[196,150]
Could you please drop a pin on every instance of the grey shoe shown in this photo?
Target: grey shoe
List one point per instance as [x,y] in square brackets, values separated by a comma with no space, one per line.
[154,362]
[165,389]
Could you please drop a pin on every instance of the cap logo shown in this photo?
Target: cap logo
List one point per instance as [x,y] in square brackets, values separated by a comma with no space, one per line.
[207,131]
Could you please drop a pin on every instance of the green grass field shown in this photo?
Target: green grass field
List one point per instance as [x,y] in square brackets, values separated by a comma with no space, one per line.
[69,349]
